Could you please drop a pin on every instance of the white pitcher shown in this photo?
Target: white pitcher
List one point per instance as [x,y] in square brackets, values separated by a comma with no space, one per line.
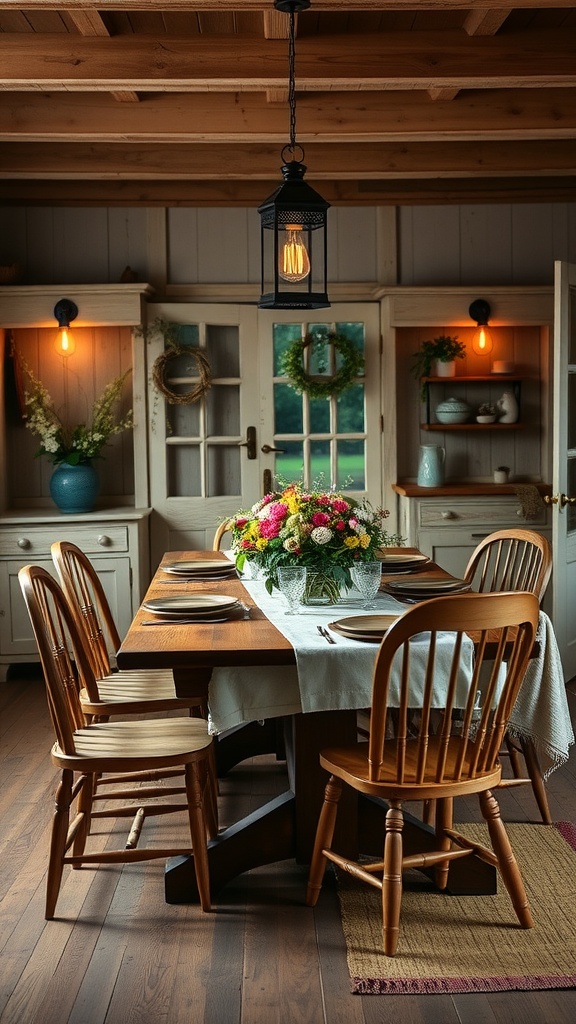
[507,408]
[431,465]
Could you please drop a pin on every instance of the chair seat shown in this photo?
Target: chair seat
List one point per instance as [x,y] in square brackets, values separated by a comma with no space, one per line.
[135,745]
[132,686]
[350,764]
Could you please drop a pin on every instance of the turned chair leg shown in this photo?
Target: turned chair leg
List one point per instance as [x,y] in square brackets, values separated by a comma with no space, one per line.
[507,863]
[323,840]
[392,878]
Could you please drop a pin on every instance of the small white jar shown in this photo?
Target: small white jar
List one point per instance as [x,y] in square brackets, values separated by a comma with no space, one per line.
[500,476]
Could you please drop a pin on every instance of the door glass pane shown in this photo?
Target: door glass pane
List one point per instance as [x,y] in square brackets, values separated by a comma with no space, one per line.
[290,464]
[351,466]
[223,349]
[223,470]
[184,477]
[320,462]
[223,410]
[319,415]
[287,410]
[350,410]
[572,338]
[183,420]
[282,337]
[571,418]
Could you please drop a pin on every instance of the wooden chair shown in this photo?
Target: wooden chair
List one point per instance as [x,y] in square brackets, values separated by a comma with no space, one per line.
[114,753]
[112,692]
[516,559]
[222,529]
[416,763]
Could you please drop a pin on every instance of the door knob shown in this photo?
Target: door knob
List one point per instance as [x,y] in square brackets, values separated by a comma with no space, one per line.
[267,448]
[559,499]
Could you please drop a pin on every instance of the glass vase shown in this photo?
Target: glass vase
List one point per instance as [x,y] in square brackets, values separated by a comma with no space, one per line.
[322,588]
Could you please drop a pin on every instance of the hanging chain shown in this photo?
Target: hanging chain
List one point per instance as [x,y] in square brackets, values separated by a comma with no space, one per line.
[292,84]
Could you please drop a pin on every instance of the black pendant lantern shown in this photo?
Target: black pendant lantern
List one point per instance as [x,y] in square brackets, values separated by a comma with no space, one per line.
[293,220]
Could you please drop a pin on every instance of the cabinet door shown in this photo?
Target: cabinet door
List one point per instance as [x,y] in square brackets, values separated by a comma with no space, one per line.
[450,549]
[16,637]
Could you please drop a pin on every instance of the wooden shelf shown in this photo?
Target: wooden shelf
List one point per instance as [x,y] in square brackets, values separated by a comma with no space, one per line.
[473,426]
[489,378]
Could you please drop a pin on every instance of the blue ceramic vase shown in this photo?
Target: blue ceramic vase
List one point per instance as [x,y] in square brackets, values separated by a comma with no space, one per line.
[74,488]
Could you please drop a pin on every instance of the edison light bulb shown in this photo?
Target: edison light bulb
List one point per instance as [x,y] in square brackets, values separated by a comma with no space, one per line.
[482,342]
[65,344]
[293,258]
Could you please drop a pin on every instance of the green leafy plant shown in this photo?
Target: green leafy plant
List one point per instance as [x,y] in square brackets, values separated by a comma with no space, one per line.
[444,348]
[487,409]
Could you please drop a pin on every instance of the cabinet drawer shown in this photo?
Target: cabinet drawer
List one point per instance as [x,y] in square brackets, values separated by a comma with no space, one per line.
[25,541]
[491,515]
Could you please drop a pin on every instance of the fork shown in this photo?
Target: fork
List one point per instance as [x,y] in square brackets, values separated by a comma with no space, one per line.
[324,632]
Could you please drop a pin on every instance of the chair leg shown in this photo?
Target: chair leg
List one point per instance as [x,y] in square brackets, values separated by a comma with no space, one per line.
[535,773]
[323,840]
[198,832]
[392,878]
[429,812]
[85,802]
[444,820]
[513,755]
[58,841]
[507,863]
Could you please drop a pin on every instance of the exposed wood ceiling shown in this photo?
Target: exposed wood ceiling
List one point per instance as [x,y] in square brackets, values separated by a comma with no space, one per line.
[185,101]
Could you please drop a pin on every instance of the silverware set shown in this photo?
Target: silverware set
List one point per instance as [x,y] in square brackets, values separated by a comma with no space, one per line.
[327,636]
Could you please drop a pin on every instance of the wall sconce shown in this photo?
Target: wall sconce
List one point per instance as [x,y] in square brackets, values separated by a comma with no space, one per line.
[482,340]
[293,220]
[65,310]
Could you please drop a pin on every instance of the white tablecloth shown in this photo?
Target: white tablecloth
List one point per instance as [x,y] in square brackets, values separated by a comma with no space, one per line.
[330,677]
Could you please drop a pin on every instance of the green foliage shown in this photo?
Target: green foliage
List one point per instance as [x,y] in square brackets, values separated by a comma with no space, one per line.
[351,365]
[444,348]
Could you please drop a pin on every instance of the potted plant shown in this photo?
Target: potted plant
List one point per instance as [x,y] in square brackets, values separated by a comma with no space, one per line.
[438,354]
[486,413]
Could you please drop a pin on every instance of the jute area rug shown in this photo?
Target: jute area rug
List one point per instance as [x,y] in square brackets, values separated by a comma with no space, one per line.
[472,943]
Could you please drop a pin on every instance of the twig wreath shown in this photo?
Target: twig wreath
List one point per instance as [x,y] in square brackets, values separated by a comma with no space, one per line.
[173,349]
[351,366]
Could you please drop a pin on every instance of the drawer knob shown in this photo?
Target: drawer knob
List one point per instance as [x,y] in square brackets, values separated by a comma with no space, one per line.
[23,543]
[449,515]
[104,540]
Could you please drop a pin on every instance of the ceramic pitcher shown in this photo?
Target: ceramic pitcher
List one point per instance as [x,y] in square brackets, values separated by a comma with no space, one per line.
[507,408]
[431,465]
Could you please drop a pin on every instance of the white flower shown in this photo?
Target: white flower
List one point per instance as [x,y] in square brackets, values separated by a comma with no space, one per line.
[291,544]
[321,535]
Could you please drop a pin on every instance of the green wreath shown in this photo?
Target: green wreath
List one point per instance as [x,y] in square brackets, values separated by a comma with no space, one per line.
[351,366]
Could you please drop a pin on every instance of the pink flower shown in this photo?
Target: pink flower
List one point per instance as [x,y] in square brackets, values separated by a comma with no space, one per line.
[320,519]
[323,499]
[352,523]
[270,528]
[340,525]
[339,505]
[277,510]
[240,523]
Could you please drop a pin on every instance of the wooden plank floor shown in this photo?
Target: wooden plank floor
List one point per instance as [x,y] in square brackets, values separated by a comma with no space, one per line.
[118,954]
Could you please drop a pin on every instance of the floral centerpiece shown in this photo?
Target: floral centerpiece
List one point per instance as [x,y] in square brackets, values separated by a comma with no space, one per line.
[79,444]
[325,531]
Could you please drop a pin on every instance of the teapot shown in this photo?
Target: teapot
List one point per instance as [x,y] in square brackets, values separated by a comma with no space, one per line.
[507,406]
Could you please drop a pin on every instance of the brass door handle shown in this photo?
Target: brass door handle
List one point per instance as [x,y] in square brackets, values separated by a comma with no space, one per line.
[267,448]
[559,499]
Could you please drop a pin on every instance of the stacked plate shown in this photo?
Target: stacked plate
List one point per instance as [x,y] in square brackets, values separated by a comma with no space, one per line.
[370,628]
[201,569]
[192,607]
[422,587]
[401,563]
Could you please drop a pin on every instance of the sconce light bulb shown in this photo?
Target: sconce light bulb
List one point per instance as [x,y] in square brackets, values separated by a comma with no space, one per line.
[482,342]
[65,344]
[293,258]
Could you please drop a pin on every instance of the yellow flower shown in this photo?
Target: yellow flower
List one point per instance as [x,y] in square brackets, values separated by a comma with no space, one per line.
[261,543]
[364,540]
[351,542]
[290,498]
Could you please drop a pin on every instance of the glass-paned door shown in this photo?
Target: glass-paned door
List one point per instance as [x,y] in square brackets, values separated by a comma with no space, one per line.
[201,467]
[334,441]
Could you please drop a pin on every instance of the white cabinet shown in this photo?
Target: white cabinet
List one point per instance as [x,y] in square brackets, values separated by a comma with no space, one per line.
[116,541]
[448,528]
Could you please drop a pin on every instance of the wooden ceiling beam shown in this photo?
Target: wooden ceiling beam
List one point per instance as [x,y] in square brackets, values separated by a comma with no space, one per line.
[332,117]
[231,162]
[263,5]
[396,192]
[390,61]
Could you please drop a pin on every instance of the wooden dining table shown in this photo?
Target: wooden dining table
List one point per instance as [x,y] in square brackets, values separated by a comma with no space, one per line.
[284,828]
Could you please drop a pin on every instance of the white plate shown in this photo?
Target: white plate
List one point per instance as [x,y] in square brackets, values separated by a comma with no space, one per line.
[402,563]
[196,604]
[363,627]
[203,566]
[423,589]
